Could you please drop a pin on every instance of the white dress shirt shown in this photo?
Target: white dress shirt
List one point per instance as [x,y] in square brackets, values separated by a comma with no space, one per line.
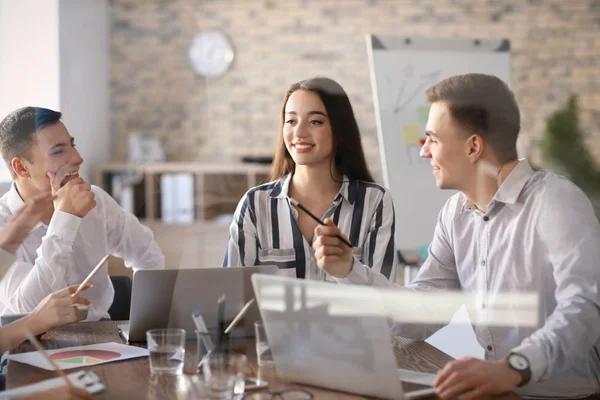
[540,235]
[6,260]
[65,252]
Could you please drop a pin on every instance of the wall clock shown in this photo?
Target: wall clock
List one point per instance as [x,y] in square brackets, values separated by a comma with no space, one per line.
[211,53]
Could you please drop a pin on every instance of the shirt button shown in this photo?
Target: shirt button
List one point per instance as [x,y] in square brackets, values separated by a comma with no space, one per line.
[270,252]
[483,262]
[312,259]
[483,306]
[486,218]
[489,347]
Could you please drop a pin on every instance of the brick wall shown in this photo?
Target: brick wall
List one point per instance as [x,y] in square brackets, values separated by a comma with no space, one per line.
[555,51]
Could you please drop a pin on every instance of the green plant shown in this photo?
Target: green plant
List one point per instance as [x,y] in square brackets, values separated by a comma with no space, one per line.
[564,150]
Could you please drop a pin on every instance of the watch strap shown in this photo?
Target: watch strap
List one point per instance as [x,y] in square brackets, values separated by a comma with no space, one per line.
[525,373]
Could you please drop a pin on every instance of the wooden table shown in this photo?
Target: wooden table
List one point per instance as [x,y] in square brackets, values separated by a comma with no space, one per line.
[131,379]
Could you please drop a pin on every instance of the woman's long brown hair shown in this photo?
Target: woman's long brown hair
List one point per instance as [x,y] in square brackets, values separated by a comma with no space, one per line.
[349,158]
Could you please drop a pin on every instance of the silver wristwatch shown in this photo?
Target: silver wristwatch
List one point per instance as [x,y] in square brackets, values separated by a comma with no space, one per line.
[520,363]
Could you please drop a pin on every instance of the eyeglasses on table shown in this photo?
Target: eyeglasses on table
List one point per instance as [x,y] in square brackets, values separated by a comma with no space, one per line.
[289,394]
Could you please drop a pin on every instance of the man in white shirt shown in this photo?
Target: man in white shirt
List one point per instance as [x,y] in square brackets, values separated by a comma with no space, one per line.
[509,229]
[81,226]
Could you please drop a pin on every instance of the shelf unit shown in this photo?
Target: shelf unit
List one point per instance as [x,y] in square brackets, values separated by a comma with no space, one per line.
[217,187]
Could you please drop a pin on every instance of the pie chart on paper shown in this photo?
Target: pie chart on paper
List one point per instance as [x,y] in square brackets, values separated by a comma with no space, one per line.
[84,357]
[81,356]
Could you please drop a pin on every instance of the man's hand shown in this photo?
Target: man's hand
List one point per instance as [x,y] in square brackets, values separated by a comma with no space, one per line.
[23,221]
[333,256]
[75,197]
[471,378]
[56,309]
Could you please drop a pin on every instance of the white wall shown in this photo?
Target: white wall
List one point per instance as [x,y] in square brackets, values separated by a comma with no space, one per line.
[28,57]
[84,78]
[54,54]
[29,54]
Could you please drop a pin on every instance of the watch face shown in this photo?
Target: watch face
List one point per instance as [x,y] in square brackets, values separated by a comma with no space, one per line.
[210,53]
[518,362]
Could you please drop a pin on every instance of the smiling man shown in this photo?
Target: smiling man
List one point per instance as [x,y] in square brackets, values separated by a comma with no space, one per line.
[509,229]
[82,225]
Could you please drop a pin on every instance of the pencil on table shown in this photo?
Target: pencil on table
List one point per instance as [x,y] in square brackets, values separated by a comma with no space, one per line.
[238,317]
[220,321]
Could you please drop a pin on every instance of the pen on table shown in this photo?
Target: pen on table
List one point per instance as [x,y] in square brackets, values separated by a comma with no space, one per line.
[238,317]
[91,275]
[201,327]
[295,203]
[220,323]
[122,335]
[38,346]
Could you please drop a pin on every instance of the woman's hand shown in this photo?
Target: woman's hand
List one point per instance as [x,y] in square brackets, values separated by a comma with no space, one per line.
[56,309]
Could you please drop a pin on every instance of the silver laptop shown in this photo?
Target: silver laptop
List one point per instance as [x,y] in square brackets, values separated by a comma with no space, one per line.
[332,336]
[167,298]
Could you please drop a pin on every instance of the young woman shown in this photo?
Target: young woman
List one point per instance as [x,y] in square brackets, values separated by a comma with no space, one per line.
[56,309]
[319,162]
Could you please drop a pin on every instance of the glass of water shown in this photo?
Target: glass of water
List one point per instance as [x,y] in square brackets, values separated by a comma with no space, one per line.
[264,357]
[224,375]
[167,350]
[208,342]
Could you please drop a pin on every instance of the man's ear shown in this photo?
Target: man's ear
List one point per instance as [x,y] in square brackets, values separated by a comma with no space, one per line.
[475,144]
[21,167]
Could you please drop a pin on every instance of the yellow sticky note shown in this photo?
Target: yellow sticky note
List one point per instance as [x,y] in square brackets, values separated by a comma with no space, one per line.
[411,134]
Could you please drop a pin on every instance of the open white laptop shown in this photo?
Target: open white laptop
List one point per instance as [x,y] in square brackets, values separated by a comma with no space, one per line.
[167,298]
[333,336]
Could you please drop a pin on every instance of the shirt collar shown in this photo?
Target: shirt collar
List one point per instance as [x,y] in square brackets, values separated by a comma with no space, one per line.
[15,202]
[347,191]
[513,185]
[281,188]
[510,188]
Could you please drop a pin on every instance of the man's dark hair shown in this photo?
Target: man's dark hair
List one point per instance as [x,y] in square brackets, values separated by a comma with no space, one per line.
[16,131]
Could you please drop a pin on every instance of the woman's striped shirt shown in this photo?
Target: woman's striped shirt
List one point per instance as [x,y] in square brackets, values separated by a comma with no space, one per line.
[264,230]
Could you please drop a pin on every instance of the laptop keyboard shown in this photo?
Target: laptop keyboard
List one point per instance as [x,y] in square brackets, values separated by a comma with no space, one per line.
[409,386]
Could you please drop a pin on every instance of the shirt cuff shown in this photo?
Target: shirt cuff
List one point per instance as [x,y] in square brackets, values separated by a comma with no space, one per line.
[64,225]
[357,276]
[6,261]
[537,361]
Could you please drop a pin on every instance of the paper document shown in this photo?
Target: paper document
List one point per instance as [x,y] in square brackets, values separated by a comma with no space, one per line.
[86,380]
[81,356]
[421,378]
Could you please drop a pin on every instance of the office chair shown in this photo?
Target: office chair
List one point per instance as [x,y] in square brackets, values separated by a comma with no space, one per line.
[119,309]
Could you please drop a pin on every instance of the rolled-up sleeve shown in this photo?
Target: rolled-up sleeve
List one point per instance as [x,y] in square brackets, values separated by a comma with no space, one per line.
[6,261]
[128,238]
[379,249]
[242,247]
[572,240]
